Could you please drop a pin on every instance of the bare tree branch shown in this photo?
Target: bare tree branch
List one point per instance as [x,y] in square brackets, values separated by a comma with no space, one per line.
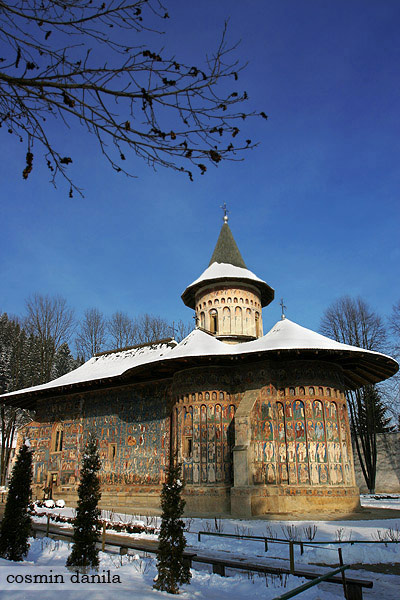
[137,99]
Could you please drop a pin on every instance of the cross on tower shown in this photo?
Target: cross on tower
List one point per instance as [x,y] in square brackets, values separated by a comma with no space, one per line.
[224,208]
[283,316]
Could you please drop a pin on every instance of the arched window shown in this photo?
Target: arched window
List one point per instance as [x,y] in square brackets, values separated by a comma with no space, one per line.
[213,321]
[202,320]
[257,318]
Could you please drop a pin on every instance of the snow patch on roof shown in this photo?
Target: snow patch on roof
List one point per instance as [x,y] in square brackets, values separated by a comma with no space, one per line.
[107,365]
[284,335]
[225,270]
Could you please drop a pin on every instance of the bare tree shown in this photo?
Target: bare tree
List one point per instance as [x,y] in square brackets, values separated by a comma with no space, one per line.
[91,335]
[394,324]
[11,419]
[137,98]
[52,322]
[150,328]
[121,329]
[394,386]
[181,329]
[351,321]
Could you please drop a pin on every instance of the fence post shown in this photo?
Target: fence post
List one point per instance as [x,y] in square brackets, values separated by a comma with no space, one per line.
[199,537]
[291,556]
[103,537]
[48,525]
[266,544]
[343,574]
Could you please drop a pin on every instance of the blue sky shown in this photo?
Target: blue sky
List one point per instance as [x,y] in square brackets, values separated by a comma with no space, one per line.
[314,208]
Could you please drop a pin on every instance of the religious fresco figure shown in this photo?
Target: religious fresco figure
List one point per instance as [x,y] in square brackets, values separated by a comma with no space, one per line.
[319,430]
[292,474]
[323,474]
[291,451]
[270,474]
[329,431]
[289,430]
[298,409]
[281,431]
[303,473]
[308,409]
[314,474]
[301,451]
[321,452]
[282,452]
[300,432]
[283,473]
[344,452]
[266,411]
[196,473]
[281,415]
[317,409]
[288,409]
[268,430]
[269,451]
[310,430]
[312,451]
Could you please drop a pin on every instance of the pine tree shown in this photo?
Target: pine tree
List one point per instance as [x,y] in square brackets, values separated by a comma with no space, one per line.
[172,570]
[87,521]
[16,524]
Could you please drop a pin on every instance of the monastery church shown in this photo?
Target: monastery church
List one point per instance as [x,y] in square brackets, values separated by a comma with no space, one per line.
[259,422]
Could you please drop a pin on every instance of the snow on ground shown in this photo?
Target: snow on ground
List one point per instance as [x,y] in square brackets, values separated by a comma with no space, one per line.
[134,574]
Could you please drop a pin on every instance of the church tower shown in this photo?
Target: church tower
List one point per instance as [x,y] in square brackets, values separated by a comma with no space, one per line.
[228,298]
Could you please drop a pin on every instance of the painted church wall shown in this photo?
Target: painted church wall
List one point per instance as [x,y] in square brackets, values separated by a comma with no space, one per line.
[131,425]
[300,437]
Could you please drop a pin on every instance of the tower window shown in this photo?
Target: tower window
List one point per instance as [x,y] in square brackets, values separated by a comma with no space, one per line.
[257,319]
[213,321]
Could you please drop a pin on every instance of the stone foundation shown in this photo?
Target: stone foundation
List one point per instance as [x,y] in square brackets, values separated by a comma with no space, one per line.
[286,500]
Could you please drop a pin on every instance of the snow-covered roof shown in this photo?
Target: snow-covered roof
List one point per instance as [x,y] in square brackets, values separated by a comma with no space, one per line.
[364,367]
[106,365]
[219,272]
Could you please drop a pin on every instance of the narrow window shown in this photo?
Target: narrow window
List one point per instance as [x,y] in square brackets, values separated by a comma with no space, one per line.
[112,451]
[57,441]
[187,447]
[257,317]
[213,321]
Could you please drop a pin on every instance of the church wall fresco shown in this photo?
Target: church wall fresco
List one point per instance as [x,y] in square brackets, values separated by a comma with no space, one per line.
[204,437]
[300,434]
[131,425]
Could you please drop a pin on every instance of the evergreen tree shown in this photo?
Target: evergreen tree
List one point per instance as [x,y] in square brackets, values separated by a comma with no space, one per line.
[87,521]
[172,570]
[16,524]
[64,362]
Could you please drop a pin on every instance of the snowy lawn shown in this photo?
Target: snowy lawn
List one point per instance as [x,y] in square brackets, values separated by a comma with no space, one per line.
[133,575]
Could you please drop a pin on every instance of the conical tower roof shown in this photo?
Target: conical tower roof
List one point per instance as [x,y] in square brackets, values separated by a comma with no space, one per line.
[227,266]
[226,250]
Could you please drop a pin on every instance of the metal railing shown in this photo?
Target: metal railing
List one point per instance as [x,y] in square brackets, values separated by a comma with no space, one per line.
[310,584]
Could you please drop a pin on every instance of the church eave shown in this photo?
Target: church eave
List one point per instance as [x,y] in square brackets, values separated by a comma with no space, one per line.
[266,292]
